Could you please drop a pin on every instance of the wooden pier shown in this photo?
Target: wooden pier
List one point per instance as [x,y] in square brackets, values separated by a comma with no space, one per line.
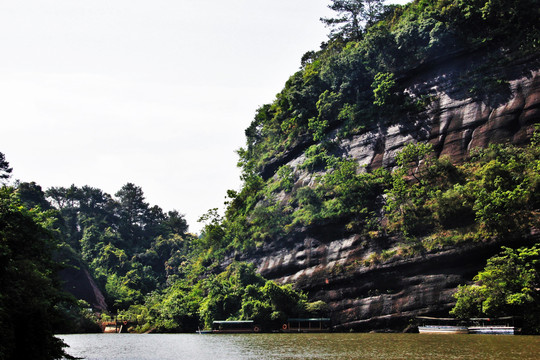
[115,326]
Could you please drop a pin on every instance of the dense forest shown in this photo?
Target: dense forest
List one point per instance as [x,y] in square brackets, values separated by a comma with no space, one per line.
[151,271]
[157,275]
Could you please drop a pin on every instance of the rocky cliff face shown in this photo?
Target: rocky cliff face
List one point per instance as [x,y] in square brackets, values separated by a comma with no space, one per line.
[469,108]
[77,281]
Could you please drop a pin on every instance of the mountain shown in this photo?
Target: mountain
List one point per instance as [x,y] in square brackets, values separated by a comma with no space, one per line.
[376,180]
[398,159]
[327,260]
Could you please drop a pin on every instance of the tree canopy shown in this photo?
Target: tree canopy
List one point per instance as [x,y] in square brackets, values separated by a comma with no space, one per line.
[352,17]
[29,289]
[509,285]
[5,170]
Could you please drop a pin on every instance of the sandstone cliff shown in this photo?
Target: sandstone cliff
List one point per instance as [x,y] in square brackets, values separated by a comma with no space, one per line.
[327,261]
[77,281]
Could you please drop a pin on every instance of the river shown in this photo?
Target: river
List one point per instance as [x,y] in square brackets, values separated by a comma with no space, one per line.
[301,346]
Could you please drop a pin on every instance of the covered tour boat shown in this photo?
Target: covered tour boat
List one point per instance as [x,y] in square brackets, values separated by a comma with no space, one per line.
[243,326]
[307,325]
[493,326]
[432,325]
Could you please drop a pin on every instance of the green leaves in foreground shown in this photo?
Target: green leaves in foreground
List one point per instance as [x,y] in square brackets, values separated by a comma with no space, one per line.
[28,291]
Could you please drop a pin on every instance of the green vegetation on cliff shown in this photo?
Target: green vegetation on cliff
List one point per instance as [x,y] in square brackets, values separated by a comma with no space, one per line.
[356,83]
[353,82]
[495,194]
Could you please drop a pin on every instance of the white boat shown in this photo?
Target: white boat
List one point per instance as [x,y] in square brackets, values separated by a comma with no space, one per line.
[493,326]
[432,325]
[492,330]
[443,329]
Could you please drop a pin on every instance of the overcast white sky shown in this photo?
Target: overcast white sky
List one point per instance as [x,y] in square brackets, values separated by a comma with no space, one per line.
[157,93]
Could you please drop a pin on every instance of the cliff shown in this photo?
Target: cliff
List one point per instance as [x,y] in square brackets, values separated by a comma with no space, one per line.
[77,281]
[330,262]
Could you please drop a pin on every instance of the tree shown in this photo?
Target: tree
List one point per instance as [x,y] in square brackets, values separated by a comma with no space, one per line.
[176,223]
[407,204]
[64,198]
[28,289]
[353,17]
[133,213]
[213,232]
[508,286]
[414,159]
[5,170]
[96,203]
[384,86]
[31,195]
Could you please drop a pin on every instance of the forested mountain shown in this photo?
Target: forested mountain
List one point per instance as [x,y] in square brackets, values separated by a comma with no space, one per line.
[399,158]
[130,247]
[396,161]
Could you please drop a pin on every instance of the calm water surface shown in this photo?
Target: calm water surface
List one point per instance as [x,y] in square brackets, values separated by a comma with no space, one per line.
[301,346]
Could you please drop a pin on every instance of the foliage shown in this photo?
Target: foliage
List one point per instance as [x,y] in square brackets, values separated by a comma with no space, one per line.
[495,191]
[352,17]
[238,293]
[130,247]
[508,286]
[75,317]
[371,50]
[318,158]
[28,286]
[5,170]
[505,184]
[383,88]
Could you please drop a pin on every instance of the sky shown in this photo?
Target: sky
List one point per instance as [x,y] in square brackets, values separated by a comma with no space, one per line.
[157,93]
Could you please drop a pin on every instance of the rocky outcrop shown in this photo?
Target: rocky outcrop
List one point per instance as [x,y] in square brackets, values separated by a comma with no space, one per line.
[77,281]
[332,264]
[365,295]
[455,122]
[389,295]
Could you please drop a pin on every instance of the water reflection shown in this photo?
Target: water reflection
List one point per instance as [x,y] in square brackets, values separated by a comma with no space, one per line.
[301,346]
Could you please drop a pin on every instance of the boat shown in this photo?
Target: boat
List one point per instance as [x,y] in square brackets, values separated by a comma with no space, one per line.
[432,325]
[493,326]
[443,329]
[306,325]
[227,326]
[492,330]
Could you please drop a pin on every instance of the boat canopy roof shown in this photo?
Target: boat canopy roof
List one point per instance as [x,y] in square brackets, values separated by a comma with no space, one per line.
[309,319]
[233,322]
[475,319]
[436,318]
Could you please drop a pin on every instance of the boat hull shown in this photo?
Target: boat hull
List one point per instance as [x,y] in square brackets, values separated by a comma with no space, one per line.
[492,330]
[235,331]
[434,329]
